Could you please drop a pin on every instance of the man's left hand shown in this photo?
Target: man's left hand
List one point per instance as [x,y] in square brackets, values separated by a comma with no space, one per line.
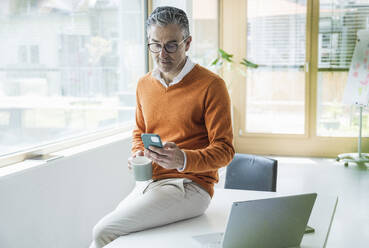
[168,157]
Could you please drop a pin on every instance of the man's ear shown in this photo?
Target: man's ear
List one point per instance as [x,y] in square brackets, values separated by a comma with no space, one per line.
[188,42]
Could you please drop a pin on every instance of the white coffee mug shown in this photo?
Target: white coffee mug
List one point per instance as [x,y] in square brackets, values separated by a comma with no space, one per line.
[142,168]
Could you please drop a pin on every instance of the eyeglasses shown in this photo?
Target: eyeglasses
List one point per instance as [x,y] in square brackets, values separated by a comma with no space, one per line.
[170,47]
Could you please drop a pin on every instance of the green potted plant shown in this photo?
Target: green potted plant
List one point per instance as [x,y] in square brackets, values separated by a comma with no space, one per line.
[225,61]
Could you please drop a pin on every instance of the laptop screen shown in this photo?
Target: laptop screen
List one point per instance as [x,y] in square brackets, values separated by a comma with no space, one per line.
[273,222]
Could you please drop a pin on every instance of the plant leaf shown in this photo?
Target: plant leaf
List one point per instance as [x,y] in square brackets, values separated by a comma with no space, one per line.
[215,61]
[247,63]
[225,55]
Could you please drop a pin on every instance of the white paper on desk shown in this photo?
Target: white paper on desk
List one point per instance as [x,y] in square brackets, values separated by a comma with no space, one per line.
[357,86]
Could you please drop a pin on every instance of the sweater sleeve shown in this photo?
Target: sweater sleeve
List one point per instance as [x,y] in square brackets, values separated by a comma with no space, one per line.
[137,143]
[217,116]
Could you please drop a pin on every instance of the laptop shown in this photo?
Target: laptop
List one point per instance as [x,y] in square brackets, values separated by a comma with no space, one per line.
[264,223]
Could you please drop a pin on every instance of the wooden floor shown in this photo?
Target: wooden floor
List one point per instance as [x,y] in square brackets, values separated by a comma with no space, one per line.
[350,227]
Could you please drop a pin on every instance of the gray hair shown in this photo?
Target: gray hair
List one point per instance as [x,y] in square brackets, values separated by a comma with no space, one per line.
[168,15]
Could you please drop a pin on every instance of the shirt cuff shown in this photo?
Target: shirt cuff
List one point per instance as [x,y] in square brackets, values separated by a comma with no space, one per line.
[184,162]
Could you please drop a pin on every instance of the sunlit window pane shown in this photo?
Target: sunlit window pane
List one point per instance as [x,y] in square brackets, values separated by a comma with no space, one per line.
[276,41]
[339,22]
[67,68]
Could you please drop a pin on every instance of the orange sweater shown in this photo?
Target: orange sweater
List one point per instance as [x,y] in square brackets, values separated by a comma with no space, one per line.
[194,114]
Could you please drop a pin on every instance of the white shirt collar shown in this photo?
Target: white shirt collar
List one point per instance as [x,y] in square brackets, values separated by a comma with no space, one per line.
[185,70]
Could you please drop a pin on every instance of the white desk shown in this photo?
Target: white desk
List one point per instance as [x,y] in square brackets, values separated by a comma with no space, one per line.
[180,234]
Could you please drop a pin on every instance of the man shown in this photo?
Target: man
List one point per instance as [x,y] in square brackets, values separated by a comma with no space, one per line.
[189,107]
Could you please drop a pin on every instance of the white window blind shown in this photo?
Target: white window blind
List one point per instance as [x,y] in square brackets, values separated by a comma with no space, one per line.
[338,25]
[276,32]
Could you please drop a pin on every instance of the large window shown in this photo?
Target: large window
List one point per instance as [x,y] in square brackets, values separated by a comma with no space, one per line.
[203,18]
[276,41]
[293,103]
[339,22]
[67,68]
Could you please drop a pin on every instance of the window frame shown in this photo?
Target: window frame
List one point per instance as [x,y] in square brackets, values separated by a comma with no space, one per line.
[308,144]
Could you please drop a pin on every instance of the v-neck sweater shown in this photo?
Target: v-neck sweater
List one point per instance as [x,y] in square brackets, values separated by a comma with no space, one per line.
[195,115]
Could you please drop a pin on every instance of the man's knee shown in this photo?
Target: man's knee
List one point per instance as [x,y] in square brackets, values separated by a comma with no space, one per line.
[105,232]
[101,234]
[99,231]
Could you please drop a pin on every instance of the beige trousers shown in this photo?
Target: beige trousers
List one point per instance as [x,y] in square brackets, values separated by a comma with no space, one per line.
[149,205]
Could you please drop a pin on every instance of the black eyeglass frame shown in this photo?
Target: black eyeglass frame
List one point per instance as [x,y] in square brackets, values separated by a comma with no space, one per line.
[165,46]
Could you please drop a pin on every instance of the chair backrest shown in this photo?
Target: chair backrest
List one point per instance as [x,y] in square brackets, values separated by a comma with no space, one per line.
[251,172]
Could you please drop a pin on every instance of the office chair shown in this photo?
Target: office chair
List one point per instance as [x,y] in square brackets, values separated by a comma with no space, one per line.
[251,172]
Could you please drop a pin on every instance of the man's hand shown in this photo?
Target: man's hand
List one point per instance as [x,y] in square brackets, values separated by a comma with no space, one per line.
[168,157]
[138,153]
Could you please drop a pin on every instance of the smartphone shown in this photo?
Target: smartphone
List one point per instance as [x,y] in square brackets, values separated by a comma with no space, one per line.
[150,139]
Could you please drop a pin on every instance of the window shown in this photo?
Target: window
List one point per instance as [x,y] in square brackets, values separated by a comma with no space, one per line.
[203,18]
[34,56]
[68,68]
[339,22]
[276,41]
[292,107]
[22,54]
[28,54]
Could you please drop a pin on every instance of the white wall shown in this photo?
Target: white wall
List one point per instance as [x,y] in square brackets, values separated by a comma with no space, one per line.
[56,204]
